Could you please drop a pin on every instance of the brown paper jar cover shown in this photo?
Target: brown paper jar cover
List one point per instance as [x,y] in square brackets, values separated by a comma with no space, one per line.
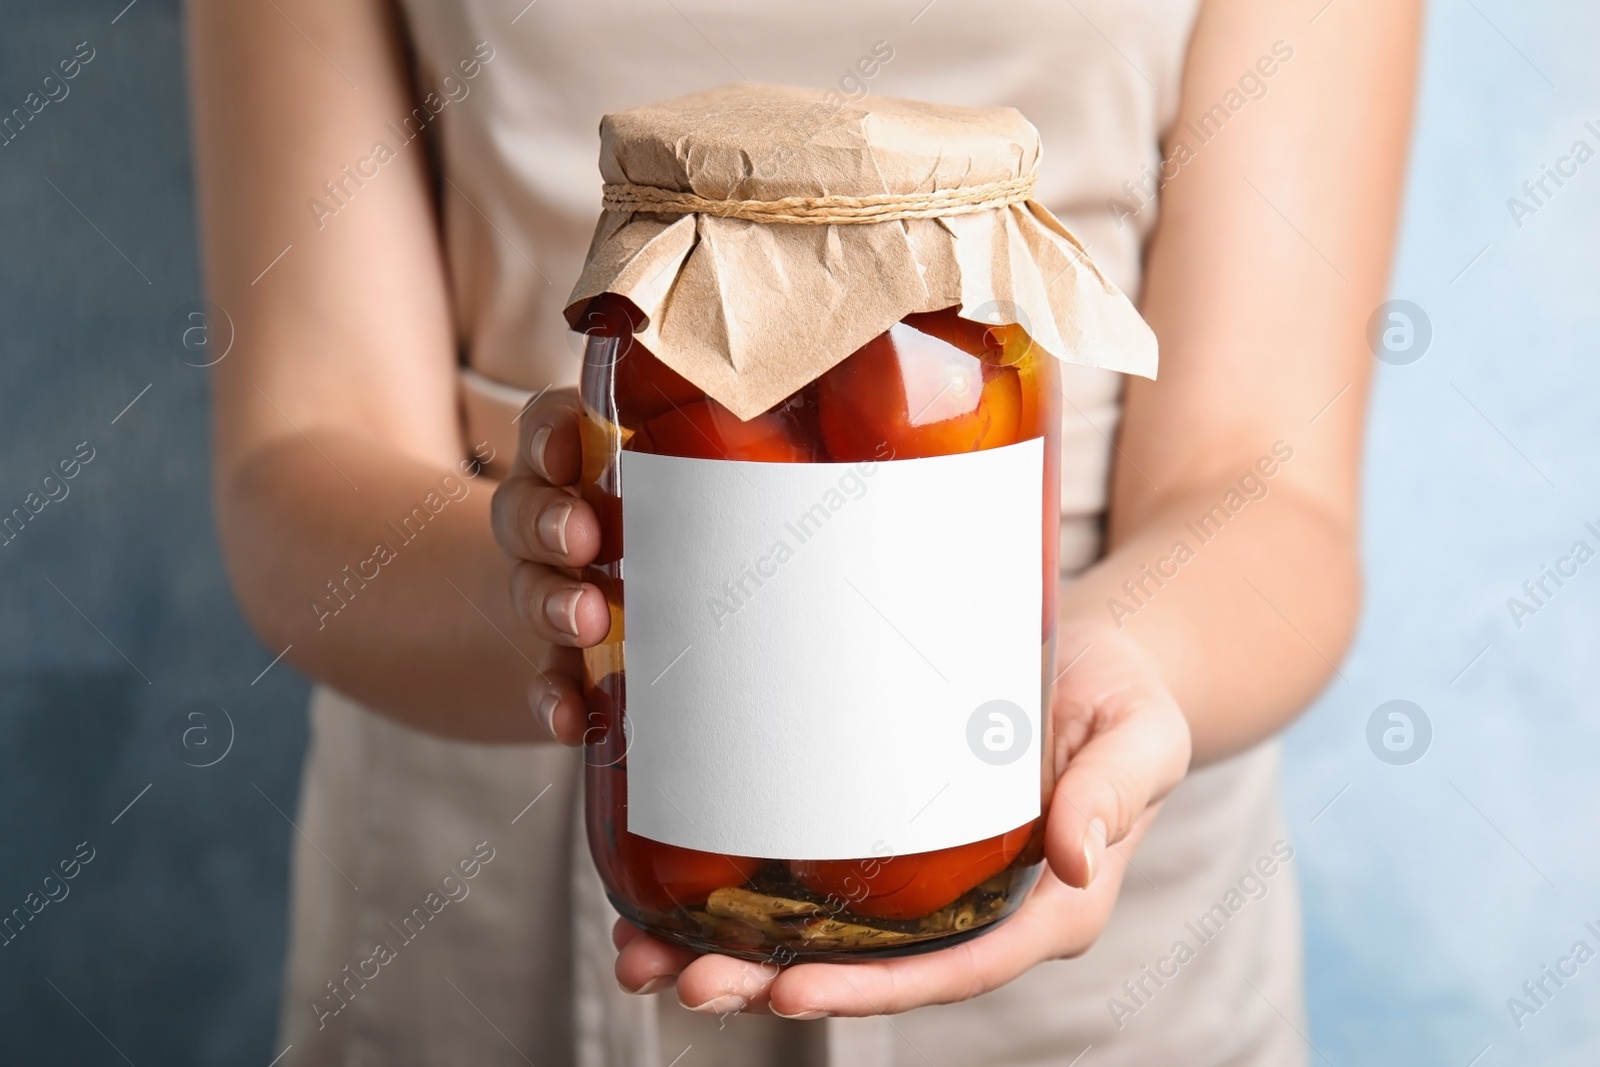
[750,311]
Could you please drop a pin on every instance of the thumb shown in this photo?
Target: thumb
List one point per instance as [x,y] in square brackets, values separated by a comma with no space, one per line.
[1109,783]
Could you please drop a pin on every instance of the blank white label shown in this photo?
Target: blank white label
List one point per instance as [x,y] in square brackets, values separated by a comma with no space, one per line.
[829,660]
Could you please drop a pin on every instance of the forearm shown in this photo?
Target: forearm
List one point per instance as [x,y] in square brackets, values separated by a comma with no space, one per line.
[380,575]
[1268,258]
[1245,612]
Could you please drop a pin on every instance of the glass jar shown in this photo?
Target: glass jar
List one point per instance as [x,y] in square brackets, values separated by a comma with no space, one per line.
[976,387]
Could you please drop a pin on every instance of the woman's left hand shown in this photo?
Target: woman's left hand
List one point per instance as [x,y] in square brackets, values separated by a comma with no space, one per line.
[1124,744]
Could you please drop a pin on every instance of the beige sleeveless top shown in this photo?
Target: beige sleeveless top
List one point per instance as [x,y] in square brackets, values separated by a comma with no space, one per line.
[397,956]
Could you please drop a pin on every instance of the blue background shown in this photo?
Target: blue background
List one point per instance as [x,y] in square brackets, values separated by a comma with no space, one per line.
[1433,890]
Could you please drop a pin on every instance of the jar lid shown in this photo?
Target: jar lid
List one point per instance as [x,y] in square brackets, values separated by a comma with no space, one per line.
[766,232]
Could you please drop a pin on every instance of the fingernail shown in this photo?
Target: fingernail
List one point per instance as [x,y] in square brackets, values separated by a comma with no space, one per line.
[536,443]
[546,709]
[726,1004]
[1094,850]
[804,1016]
[552,527]
[562,610]
[655,985]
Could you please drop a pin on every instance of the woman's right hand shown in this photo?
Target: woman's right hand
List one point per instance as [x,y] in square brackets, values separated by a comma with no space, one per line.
[549,531]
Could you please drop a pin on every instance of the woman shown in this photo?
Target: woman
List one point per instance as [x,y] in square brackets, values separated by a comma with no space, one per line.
[396,199]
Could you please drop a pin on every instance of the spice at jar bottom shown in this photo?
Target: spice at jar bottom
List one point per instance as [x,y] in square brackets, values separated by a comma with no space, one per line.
[821,426]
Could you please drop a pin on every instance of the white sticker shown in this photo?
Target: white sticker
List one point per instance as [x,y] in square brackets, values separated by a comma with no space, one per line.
[828,659]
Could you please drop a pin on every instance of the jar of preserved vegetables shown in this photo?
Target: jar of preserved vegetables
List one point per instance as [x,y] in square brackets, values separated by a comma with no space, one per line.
[821,411]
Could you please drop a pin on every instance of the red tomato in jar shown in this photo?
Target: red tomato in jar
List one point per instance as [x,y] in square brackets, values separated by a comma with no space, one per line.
[707,430]
[922,389]
[986,342]
[642,385]
[909,887]
[665,876]
[651,875]
[646,387]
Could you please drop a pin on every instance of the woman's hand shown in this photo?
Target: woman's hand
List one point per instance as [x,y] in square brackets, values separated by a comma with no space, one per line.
[1124,744]
[544,526]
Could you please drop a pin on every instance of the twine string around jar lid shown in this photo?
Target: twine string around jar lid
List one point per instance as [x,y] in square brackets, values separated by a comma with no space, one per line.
[824,210]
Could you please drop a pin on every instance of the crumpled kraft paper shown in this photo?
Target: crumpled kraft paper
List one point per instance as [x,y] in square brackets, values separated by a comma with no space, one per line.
[750,312]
